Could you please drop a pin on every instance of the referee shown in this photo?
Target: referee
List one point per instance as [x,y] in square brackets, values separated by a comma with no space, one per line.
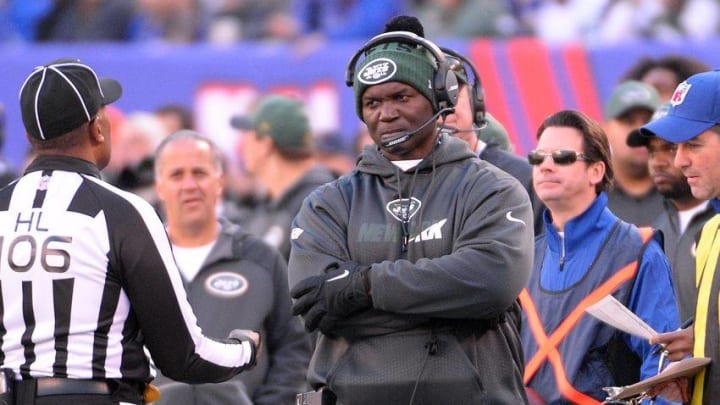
[87,276]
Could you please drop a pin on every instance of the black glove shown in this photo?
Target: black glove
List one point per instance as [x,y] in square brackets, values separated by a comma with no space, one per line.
[251,336]
[322,300]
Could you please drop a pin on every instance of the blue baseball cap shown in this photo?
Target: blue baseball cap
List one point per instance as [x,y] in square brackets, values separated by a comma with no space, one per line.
[694,109]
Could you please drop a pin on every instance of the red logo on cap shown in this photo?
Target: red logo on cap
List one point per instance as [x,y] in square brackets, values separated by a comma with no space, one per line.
[680,92]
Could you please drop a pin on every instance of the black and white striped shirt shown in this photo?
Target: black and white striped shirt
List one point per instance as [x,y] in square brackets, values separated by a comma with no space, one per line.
[87,280]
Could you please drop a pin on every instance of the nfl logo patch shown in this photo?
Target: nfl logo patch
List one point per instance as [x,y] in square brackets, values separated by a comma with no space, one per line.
[680,92]
[43,184]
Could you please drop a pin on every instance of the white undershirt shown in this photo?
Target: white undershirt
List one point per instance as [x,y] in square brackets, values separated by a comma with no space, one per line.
[687,215]
[190,259]
[406,165]
[480,147]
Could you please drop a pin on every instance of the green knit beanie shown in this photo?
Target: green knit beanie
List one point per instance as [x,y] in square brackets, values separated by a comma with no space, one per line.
[395,62]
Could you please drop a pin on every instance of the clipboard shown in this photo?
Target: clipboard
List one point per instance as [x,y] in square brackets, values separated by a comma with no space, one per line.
[683,368]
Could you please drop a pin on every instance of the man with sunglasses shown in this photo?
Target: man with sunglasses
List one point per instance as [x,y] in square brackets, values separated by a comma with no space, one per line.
[585,254]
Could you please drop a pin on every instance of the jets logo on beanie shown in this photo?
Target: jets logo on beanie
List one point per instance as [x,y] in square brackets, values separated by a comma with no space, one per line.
[395,62]
[378,71]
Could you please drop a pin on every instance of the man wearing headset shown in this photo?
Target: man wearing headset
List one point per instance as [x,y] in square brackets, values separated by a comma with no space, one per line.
[408,265]
[472,123]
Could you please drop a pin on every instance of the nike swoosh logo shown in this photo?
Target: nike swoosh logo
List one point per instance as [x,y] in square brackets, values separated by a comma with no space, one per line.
[295,233]
[513,219]
[339,276]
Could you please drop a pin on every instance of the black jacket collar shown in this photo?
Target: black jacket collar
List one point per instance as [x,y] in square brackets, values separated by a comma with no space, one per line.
[65,163]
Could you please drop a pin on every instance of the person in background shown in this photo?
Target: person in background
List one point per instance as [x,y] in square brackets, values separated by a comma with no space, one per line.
[683,217]
[80,314]
[251,20]
[334,154]
[665,73]
[131,167]
[278,149]
[86,21]
[472,124]
[585,254]
[684,21]
[7,172]
[362,138]
[633,198]
[467,18]
[351,19]
[693,124]
[172,21]
[224,267]
[174,117]
[495,133]
[410,266]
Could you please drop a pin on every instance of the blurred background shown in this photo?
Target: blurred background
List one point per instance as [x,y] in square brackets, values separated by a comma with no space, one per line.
[202,61]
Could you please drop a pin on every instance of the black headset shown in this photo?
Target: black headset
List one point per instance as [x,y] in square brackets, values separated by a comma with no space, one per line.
[477,93]
[444,81]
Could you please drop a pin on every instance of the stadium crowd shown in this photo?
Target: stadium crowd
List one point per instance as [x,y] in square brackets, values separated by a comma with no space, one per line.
[223,21]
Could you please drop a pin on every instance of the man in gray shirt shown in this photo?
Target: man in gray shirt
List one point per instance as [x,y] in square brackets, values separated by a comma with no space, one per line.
[633,197]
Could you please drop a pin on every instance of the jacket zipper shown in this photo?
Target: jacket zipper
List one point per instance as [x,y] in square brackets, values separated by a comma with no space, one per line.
[562,252]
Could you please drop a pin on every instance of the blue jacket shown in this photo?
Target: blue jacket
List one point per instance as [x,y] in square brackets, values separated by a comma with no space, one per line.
[561,270]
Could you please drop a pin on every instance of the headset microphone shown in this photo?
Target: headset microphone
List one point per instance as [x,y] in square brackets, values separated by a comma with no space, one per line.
[452,131]
[407,135]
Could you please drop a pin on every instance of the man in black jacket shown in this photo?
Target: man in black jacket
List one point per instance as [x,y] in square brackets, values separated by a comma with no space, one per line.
[408,265]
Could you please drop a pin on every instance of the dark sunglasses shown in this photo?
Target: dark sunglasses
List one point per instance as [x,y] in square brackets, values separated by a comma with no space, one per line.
[559,157]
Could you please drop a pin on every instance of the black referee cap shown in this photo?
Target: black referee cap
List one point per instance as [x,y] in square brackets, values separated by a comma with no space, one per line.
[61,96]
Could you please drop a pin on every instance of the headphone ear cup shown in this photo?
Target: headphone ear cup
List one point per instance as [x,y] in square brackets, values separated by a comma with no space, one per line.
[446,88]
[478,104]
[451,88]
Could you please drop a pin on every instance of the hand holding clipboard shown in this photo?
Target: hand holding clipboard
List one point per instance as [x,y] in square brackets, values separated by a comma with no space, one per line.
[674,379]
